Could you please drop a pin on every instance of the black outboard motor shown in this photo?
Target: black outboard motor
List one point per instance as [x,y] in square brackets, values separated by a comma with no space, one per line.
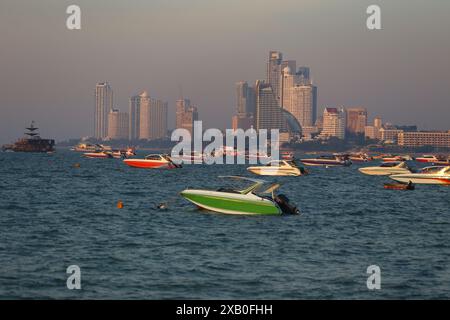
[283,203]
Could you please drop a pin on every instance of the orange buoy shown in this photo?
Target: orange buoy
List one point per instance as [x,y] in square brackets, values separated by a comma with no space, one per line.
[76,165]
[119,204]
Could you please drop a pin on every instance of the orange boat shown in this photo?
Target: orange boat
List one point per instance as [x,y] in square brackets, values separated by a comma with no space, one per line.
[153,161]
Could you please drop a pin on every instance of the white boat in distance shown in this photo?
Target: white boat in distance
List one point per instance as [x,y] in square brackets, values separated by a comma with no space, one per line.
[386,169]
[278,168]
[428,175]
[328,161]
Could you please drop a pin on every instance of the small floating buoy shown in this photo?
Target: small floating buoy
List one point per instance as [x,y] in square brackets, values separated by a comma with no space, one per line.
[119,204]
[77,165]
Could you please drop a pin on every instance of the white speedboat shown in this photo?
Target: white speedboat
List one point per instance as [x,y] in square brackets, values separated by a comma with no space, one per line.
[278,168]
[386,169]
[249,201]
[428,175]
[328,161]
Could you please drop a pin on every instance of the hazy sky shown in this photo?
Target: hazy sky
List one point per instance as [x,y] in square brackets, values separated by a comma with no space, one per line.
[48,73]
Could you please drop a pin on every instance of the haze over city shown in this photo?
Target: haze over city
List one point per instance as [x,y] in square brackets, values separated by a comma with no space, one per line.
[200,49]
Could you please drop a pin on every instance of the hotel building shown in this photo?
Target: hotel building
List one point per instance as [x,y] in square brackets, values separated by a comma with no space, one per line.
[422,138]
[333,123]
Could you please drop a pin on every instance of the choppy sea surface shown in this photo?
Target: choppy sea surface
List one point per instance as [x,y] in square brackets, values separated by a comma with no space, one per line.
[53,215]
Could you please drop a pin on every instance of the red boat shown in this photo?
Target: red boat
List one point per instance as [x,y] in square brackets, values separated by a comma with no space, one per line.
[431,159]
[152,161]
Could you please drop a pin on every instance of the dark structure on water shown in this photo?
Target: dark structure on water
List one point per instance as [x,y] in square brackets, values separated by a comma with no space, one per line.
[31,143]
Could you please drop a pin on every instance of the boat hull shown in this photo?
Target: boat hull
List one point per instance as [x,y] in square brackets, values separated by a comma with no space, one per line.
[146,164]
[377,171]
[325,163]
[417,179]
[268,171]
[231,203]
[95,155]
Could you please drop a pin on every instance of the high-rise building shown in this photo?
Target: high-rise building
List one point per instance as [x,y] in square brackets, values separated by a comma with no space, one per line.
[303,73]
[291,64]
[274,72]
[378,123]
[181,107]
[103,105]
[299,98]
[333,123]
[268,113]
[153,118]
[189,116]
[373,132]
[186,115]
[356,120]
[134,117]
[118,124]
[245,98]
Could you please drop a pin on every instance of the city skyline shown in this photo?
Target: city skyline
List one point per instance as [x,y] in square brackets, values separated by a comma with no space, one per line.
[384,70]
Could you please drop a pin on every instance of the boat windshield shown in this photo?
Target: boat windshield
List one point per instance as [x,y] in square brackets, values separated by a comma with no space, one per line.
[292,163]
[153,157]
[327,157]
[430,170]
[242,185]
[389,164]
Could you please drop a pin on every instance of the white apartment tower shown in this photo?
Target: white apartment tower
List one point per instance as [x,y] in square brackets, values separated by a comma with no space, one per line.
[103,105]
[333,123]
[118,125]
[153,118]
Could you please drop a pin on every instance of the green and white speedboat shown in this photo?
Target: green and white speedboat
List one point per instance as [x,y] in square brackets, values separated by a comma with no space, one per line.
[248,201]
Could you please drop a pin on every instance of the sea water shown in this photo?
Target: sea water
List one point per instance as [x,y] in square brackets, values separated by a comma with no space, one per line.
[54,214]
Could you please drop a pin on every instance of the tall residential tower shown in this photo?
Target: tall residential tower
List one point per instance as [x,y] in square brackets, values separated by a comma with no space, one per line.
[103,105]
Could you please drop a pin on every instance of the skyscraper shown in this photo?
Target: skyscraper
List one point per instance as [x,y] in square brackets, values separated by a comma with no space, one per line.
[134,117]
[245,106]
[118,124]
[181,107]
[303,104]
[103,105]
[274,72]
[356,120]
[303,73]
[153,118]
[299,97]
[292,64]
[333,123]
[186,115]
[268,112]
